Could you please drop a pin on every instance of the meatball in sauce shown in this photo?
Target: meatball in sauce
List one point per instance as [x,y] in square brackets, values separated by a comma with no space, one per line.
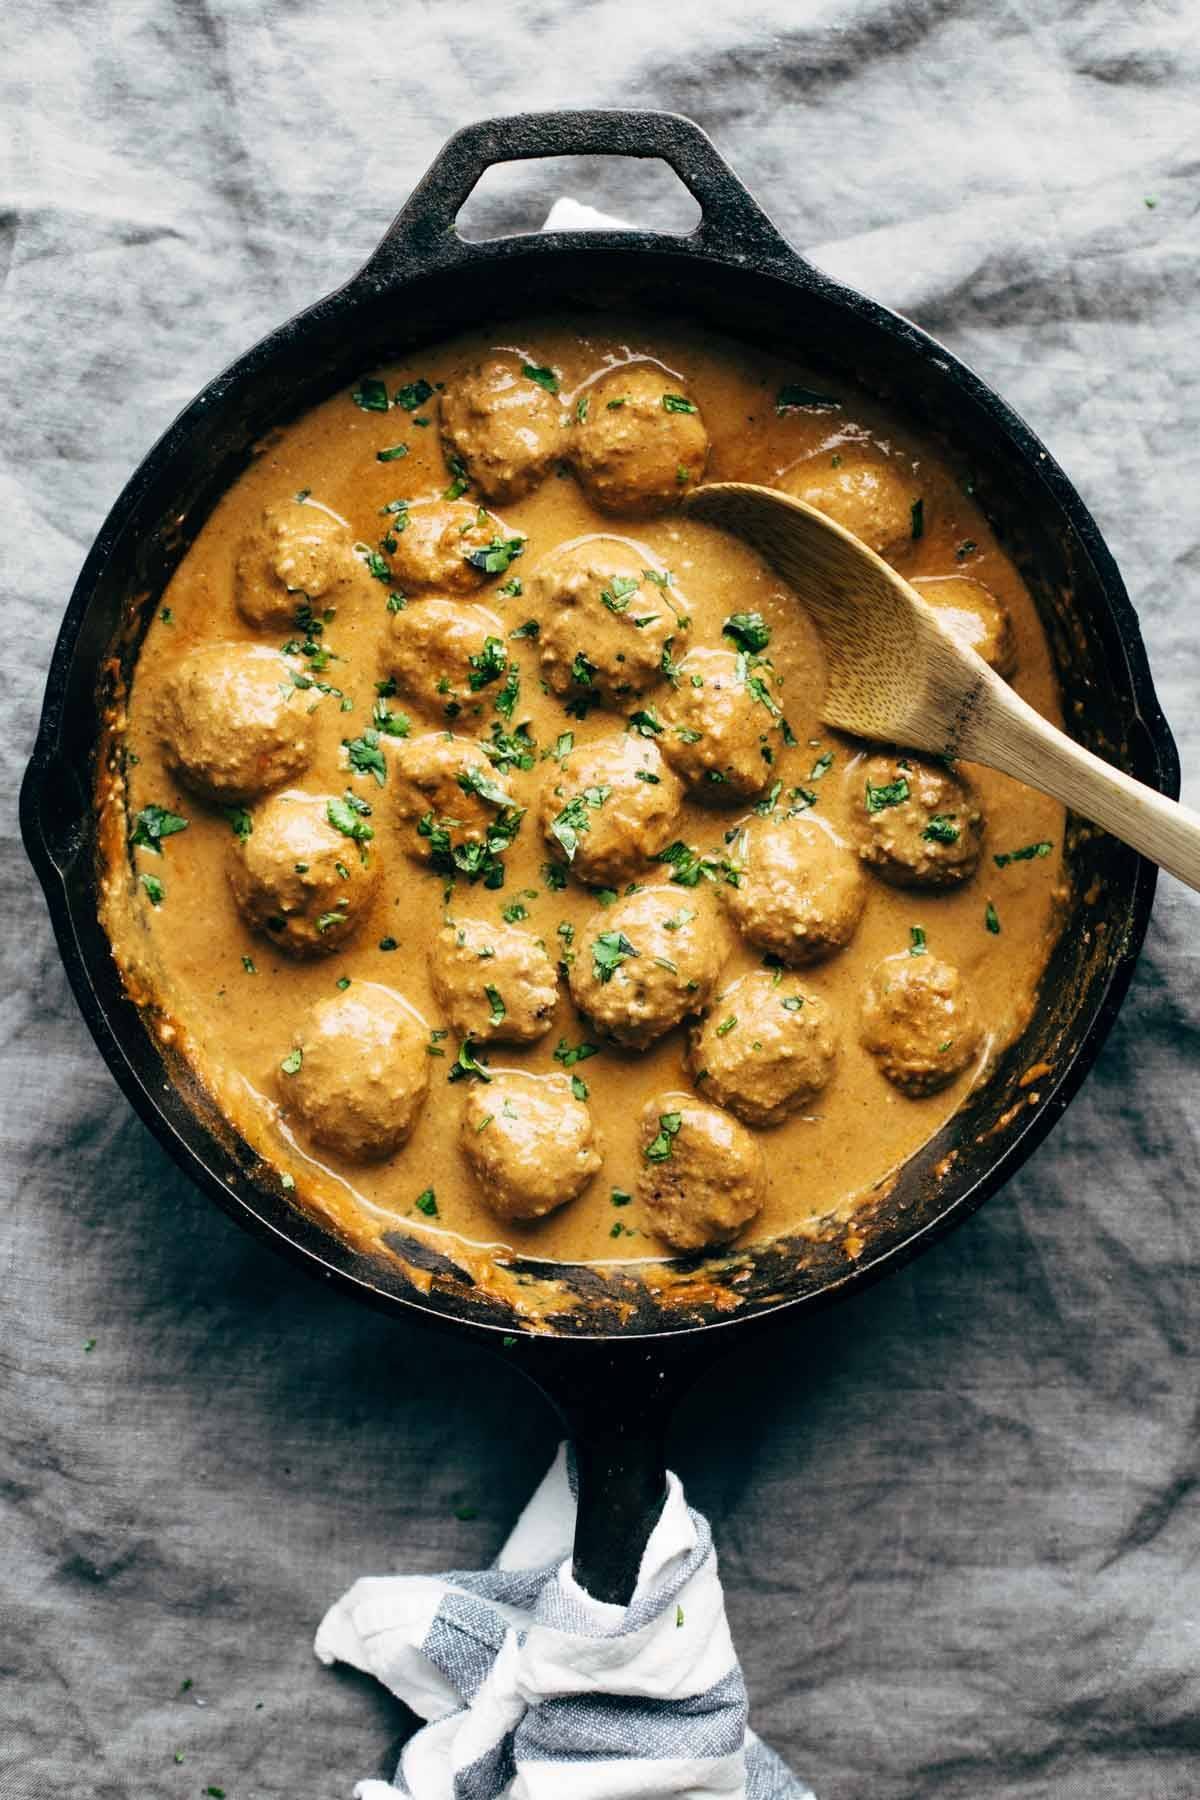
[471,823]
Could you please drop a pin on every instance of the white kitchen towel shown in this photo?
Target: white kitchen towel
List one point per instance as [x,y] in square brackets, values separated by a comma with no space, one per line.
[534,1691]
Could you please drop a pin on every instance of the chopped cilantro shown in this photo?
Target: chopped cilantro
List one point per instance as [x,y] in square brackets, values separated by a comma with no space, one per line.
[366,758]
[487,665]
[371,394]
[660,1147]
[1026,853]
[748,630]
[941,829]
[153,824]
[545,378]
[346,816]
[495,1000]
[292,1062]
[510,749]
[569,825]
[579,1088]
[619,592]
[467,1064]
[917,945]
[413,394]
[570,1054]
[991,919]
[677,403]
[822,765]
[495,557]
[609,950]
[427,1203]
[509,692]
[646,722]
[888,793]
[155,891]
[392,454]
[917,516]
[530,629]
[793,1003]
[392,724]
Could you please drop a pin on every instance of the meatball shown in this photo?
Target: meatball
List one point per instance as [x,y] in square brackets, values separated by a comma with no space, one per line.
[435,541]
[701,1176]
[801,892]
[975,617]
[642,965]
[714,734]
[446,790]
[765,1050]
[608,619]
[610,807]
[920,1022]
[529,1143]
[918,825]
[233,723]
[494,983]
[641,442]
[304,874]
[436,648]
[875,499]
[358,1072]
[504,427]
[299,554]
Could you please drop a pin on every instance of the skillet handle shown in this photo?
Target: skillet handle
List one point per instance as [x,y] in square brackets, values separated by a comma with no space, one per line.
[615,1401]
[732,223]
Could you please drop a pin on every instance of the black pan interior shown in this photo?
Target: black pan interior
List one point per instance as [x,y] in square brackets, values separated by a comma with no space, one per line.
[1093,634]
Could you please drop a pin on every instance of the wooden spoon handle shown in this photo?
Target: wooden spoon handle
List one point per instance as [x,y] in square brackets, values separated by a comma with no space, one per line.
[1008,735]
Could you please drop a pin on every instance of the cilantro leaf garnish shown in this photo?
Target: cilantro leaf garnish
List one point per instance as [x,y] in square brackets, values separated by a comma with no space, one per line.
[413,394]
[364,754]
[1026,853]
[888,793]
[153,824]
[467,1064]
[609,950]
[660,1147]
[371,394]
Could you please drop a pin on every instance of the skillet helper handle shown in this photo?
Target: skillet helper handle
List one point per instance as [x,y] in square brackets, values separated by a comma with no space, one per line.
[732,223]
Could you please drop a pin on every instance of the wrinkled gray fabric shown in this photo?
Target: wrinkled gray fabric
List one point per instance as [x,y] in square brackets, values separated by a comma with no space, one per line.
[958,1518]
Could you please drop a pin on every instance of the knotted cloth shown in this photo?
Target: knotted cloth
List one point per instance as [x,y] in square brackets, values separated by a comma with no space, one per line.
[534,1691]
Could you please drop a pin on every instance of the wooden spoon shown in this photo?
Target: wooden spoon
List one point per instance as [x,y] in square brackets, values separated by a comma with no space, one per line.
[896,673]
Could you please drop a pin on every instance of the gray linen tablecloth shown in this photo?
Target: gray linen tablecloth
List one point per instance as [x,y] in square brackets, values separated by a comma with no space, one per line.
[958,1518]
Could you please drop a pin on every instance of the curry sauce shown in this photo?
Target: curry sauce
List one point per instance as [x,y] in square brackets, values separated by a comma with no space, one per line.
[236,994]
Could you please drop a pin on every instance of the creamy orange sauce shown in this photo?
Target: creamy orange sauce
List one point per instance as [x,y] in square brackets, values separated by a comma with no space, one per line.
[192,950]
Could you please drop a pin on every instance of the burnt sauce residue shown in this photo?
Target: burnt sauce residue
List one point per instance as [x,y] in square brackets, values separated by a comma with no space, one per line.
[578,437]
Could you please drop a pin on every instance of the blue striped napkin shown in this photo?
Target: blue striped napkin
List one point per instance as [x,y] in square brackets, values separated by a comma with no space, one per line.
[534,1691]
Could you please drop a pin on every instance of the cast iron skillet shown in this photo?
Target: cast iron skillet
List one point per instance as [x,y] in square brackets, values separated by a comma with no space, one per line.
[610,1347]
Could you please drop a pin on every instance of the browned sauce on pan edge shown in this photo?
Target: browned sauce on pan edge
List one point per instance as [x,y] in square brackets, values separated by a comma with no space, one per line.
[237,999]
